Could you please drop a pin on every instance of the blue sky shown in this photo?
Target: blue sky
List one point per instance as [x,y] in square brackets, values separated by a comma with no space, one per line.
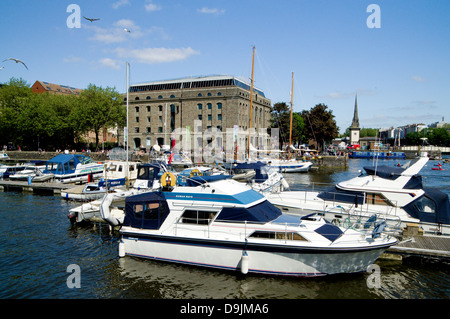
[400,71]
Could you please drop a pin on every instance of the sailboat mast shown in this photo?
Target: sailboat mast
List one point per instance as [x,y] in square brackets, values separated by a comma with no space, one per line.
[251,106]
[126,140]
[292,110]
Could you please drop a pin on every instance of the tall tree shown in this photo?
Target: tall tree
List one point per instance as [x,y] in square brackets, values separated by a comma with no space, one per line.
[320,124]
[281,118]
[99,108]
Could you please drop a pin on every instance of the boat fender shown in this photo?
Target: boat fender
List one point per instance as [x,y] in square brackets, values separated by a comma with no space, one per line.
[378,229]
[244,263]
[104,210]
[121,249]
[284,183]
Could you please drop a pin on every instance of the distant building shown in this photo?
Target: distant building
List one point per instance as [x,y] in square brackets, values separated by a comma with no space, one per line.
[41,87]
[354,128]
[157,108]
[440,124]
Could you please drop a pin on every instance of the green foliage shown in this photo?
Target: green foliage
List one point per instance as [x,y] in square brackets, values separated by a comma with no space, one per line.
[320,124]
[51,121]
[282,119]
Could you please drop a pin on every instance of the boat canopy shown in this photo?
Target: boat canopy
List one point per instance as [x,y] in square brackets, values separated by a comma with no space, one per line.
[198,180]
[66,163]
[147,210]
[260,213]
[384,171]
[433,207]
[258,167]
[340,195]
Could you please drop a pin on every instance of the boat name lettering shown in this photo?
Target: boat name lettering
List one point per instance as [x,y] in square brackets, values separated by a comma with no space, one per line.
[184,196]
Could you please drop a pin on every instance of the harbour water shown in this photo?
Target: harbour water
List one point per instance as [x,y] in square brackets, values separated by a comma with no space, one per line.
[39,248]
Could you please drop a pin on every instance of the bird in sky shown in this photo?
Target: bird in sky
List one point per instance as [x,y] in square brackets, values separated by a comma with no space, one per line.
[127,30]
[91,19]
[17,61]
[2,68]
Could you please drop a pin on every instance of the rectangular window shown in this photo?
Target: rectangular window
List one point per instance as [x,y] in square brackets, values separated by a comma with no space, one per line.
[277,235]
[219,117]
[198,217]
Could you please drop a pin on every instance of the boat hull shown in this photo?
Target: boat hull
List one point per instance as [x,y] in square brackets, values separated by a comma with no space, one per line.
[284,260]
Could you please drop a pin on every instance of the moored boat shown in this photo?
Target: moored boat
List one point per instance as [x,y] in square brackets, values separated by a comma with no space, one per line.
[69,168]
[396,193]
[227,225]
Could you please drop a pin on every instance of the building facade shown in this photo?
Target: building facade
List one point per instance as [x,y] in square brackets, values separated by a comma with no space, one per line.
[157,109]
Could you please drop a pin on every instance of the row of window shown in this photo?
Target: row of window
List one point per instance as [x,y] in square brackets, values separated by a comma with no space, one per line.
[200,117]
[172,96]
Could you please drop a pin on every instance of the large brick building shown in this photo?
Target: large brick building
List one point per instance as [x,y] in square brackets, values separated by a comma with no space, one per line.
[156,109]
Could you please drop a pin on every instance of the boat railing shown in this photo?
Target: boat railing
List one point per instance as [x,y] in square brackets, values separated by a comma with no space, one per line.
[288,232]
[364,223]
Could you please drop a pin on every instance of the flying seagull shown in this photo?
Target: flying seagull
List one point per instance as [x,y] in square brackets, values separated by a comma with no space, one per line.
[17,61]
[90,19]
[127,30]
[2,68]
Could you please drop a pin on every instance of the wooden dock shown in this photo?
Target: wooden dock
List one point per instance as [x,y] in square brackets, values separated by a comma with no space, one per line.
[437,247]
[23,186]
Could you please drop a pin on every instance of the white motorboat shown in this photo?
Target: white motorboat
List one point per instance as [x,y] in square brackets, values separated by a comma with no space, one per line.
[92,191]
[148,179]
[290,166]
[69,168]
[260,176]
[396,193]
[227,225]
[114,169]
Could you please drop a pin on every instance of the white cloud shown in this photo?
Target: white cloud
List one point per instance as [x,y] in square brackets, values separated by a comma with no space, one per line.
[150,6]
[110,63]
[120,3]
[418,78]
[207,10]
[156,55]
[117,34]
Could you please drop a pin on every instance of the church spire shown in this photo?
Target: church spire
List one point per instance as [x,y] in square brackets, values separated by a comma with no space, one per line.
[355,122]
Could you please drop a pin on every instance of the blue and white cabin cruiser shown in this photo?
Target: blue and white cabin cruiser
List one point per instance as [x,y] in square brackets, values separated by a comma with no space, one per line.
[226,225]
[396,193]
[69,168]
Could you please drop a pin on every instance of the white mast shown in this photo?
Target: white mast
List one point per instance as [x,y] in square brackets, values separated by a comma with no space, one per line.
[126,140]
